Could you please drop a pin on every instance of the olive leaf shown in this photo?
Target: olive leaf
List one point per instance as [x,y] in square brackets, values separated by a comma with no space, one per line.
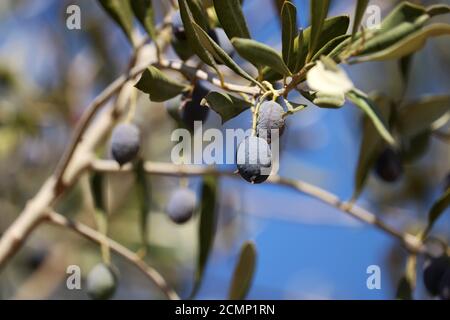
[120,11]
[144,12]
[158,85]
[244,272]
[231,18]
[288,33]
[370,144]
[360,9]
[143,194]
[327,50]
[189,18]
[364,103]
[96,182]
[225,105]
[206,228]
[219,54]
[404,290]
[260,55]
[437,210]
[332,28]
[410,44]
[318,14]
[400,33]
[417,117]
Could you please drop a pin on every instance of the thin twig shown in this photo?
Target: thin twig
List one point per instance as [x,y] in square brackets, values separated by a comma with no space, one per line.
[412,243]
[99,238]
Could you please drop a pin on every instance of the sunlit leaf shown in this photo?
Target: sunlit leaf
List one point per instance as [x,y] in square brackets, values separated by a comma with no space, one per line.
[244,272]
[260,55]
[158,85]
[225,105]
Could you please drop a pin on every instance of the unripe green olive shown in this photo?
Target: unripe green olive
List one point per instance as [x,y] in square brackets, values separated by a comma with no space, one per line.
[254,159]
[101,282]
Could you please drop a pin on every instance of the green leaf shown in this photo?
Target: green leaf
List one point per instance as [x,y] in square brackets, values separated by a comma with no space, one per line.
[96,184]
[328,101]
[158,86]
[207,227]
[332,28]
[328,49]
[361,6]
[363,102]
[225,105]
[143,194]
[438,9]
[408,282]
[319,11]
[409,44]
[437,210]
[417,117]
[371,144]
[243,273]
[219,54]
[143,10]
[231,18]
[289,33]
[189,19]
[120,11]
[260,55]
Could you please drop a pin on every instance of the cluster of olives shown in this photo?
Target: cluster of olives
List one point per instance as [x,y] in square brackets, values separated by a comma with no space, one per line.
[125,143]
[180,41]
[101,282]
[436,276]
[254,155]
[187,108]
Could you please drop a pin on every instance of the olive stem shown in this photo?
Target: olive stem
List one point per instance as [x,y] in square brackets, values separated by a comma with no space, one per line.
[412,243]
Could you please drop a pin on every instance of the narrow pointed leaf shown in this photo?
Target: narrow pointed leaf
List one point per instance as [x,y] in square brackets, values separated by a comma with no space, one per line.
[188,21]
[328,49]
[361,6]
[158,85]
[120,11]
[370,145]
[206,228]
[437,210]
[244,272]
[143,194]
[231,18]
[373,113]
[225,105]
[289,33]
[319,11]
[260,55]
[219,54]
[144,12]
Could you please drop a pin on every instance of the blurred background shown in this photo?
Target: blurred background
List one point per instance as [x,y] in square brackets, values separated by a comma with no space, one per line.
[306,250]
